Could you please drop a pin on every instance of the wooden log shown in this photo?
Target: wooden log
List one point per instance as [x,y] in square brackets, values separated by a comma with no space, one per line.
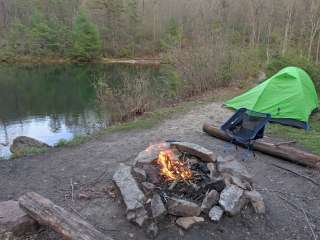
[70,226]
[268,146]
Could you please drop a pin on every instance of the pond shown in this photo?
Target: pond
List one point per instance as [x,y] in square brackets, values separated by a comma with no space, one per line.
[55,102]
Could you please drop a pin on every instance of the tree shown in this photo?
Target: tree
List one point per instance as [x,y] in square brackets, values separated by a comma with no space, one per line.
[86,44]
[173,36]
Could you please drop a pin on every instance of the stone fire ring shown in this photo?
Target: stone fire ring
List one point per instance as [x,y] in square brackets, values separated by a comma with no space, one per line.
[145,206]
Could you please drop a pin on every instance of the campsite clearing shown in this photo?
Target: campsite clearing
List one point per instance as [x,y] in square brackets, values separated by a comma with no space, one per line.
[90,168]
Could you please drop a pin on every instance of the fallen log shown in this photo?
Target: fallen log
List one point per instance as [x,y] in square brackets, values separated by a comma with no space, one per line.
[268,146]
[70,226]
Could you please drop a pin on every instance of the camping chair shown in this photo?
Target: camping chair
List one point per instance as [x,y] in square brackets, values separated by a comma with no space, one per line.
[246,126]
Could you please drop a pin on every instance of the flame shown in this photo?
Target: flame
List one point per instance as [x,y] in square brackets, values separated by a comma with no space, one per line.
[171,168]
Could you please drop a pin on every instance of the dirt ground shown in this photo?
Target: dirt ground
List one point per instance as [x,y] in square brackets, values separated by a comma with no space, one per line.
[89,168]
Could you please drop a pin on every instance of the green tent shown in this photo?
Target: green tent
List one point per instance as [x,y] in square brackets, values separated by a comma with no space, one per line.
[289,96]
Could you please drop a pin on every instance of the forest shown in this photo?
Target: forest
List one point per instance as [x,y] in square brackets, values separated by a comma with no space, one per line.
[238,38]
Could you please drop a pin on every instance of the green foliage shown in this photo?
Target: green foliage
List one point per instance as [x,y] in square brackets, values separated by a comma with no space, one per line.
[170,77]
[76,140]
[173,36]
[86,44]
[39,37]
[27,152]
[277,63]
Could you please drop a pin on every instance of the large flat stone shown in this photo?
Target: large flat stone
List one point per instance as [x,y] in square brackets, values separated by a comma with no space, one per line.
[211,199]
[196,150]
[182,208]
[232,200]
[188,222]
[157,207]
[138,216]
[14,220]
[235,168]
[151,153]
[256,201]
[132,196]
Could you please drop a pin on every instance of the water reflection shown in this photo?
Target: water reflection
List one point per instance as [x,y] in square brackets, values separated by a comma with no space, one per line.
[48,103]
[54,102]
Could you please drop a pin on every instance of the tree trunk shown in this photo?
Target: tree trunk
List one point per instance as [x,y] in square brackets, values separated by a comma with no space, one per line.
[318,50]
[268,146]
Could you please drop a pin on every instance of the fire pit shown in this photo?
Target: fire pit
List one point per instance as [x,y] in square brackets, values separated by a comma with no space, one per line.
[186,181]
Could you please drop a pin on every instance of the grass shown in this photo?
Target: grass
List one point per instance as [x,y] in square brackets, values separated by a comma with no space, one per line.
[76,140]
[27,152]
[308,139]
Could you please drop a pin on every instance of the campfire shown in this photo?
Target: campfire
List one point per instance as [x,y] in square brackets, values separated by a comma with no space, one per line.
[172,168]
[185,181]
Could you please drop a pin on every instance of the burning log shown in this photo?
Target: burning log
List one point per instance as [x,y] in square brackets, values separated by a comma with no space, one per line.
[268,146]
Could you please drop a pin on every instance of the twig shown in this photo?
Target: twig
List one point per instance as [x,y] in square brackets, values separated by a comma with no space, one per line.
[296,206]
[72,190]
[94,181]
[309,224]
[296,173]
[286,193]
[279,193]
[305,216]
[173,185]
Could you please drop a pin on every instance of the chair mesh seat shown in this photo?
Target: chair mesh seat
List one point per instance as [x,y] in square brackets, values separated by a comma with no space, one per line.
[246,126]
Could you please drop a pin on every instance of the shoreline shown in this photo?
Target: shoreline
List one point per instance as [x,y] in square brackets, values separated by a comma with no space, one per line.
[54,60]
[147,121]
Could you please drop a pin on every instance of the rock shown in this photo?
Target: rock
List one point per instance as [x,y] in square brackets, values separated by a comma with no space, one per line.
[147,187]
[138,216]
[23,144]
[235,168]
[256,201]
[132,196]
[217,184]
[216,213]
[196,150]
[212,169]
[14,220]
[140,174]
[188,222]
[182,208]
[211,199]
[157,207]
[228,158]
[153,230]
[232,200]
[151,153]
[241,184]
[153,173]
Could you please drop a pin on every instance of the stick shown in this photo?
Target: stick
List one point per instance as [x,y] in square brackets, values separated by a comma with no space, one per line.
[305,216]
[67,224]
[72,190]
[173,185]
[295,173]
[309,224]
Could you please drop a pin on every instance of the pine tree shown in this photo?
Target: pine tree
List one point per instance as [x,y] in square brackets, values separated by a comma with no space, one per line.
[87,43]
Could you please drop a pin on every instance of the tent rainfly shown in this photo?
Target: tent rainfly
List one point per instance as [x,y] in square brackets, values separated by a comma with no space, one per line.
[289,96]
